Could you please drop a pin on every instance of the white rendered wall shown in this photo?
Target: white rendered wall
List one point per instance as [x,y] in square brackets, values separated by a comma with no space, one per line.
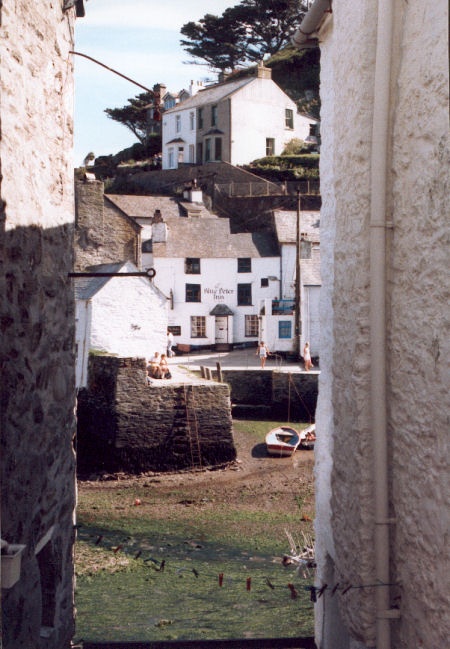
[129,318]
[257,113]
[417,330]
[169,133]
[218,279]
[83,315]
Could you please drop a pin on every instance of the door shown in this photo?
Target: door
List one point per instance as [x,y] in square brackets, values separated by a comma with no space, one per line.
[221,330]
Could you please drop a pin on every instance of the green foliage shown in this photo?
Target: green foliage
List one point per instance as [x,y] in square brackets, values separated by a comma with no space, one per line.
[245,33]
[134,115]
[295,146]
[287,167]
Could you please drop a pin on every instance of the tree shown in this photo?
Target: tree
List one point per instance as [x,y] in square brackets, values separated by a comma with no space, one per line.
[244,33]
[215,40]
[269,25]
[134,115]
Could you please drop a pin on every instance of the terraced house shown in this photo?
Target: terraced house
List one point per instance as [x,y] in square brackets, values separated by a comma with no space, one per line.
[236,121]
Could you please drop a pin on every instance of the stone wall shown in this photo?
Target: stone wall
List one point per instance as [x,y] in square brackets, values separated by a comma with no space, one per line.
[103,234]
[37,321]
[283,395]
[126,425]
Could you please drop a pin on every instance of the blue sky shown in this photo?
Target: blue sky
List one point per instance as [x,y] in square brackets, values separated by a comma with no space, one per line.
[139,38]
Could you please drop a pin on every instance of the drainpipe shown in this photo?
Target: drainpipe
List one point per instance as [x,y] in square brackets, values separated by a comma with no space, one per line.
[306,34]
[378,225]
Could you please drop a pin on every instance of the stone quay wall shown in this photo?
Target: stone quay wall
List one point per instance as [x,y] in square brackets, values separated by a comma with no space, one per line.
[126,425]
[285,395]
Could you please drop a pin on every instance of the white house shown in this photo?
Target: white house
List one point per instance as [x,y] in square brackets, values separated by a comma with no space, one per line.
[382,452]
[234,121]
[228,289]
[126,316]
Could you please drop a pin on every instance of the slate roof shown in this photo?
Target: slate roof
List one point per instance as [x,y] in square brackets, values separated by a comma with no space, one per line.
[286,225]
[87,287]
[145,206]
[213,94]
[211,238]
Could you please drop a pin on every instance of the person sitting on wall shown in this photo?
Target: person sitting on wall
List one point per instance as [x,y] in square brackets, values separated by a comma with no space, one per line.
[153,369]
[164,368]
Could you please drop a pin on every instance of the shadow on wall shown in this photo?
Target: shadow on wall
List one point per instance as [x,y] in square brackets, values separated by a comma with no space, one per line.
[37,459]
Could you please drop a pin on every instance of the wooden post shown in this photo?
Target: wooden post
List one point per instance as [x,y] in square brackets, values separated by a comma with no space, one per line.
[219,372]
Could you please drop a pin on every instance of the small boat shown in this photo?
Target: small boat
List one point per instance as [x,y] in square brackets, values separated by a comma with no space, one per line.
[282,441]
[308,437]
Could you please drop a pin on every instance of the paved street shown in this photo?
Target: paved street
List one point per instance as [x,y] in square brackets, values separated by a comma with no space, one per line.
[239,359]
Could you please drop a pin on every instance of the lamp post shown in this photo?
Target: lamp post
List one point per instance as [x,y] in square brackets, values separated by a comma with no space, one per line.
[298,306]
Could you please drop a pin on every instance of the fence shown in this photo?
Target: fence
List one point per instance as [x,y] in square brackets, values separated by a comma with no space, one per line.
[265,188]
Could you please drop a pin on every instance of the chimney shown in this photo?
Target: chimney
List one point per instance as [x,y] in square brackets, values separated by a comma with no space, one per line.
[195,194]
[194,88]
[159,228]
[263,72]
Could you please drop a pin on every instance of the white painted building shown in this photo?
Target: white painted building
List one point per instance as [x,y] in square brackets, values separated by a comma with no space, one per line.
[234,121]
[228,289]
[382,452]
[126,316]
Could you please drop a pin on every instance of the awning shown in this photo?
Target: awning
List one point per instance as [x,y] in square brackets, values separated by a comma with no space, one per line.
[221,309]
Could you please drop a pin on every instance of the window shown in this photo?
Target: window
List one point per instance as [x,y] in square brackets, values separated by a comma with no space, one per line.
[178,123]
[199,153]
[180,154]
[174,329]
[289,118]
[193,293]
[244,265]
[192,265]
[213,115]
[264,282]
[147,246]
[218,148]
[244,294]
[191,121]
[198,326]
[200,118]
[270,146]
[252,326]
[285,329]
[208,150]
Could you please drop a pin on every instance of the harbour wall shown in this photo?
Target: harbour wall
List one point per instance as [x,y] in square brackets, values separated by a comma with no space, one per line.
[126,425]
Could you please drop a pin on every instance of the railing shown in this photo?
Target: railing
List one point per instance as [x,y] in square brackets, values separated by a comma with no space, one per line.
[265,188]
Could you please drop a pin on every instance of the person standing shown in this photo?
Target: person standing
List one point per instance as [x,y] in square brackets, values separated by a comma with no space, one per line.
[307,357]
[170,353]
[263,353]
